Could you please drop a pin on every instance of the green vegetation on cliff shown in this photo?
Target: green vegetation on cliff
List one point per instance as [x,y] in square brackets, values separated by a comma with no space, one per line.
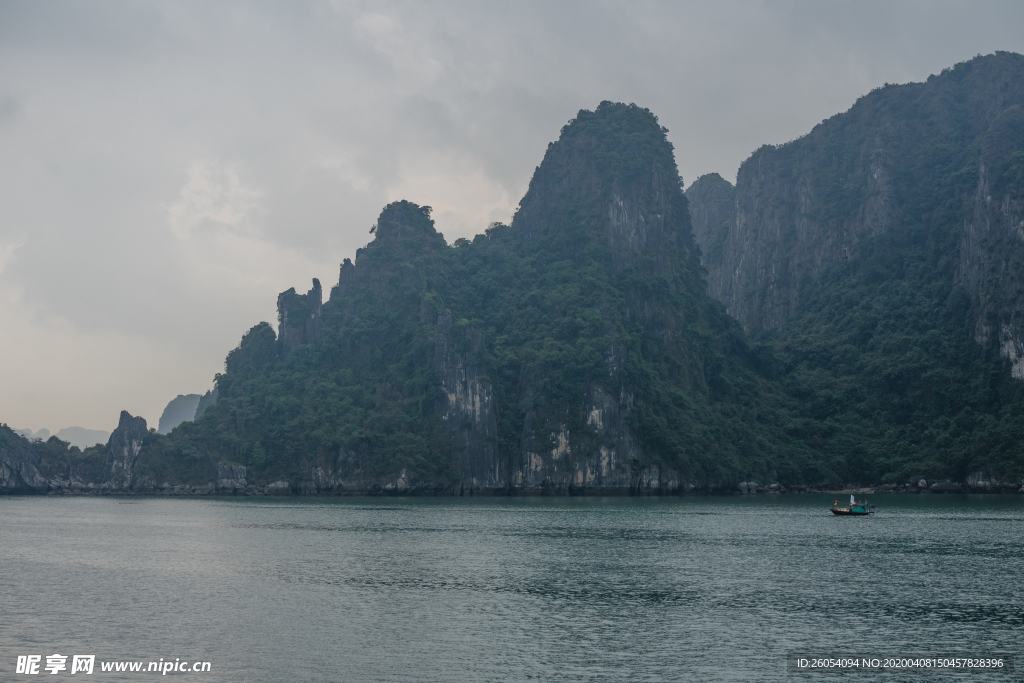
[892,350]
[582,334]
[572,301]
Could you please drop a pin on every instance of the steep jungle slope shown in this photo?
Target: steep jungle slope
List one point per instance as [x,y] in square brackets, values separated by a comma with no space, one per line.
[880,255]
[575,349]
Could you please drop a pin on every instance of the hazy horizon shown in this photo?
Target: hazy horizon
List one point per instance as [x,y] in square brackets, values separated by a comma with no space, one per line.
[172,167]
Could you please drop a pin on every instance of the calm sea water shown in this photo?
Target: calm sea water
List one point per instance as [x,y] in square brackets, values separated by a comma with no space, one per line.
[581,589]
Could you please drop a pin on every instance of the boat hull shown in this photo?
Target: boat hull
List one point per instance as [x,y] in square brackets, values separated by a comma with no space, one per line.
[844,512]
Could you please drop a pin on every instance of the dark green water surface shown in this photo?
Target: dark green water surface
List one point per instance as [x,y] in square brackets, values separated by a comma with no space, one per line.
[507,589]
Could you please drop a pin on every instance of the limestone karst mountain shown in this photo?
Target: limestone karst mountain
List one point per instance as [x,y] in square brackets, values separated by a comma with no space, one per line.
[40,435]
[872,270]
[574,349]
[873,261]
[182,408]
[82,437]
[881,255]
[906,167]
[55,466]
[76,436]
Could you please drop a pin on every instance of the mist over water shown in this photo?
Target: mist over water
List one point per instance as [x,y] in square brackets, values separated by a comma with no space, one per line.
[578,589]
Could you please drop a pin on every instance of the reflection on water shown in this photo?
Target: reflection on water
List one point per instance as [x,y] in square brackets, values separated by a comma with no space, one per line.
[478,589]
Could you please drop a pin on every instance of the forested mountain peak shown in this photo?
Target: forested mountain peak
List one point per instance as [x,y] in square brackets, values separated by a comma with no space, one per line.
[610,177]
[876,262]
[575,348]
[405,220]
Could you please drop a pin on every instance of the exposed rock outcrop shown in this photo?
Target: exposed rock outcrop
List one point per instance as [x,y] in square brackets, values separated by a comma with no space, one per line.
[712,202]
[123,450]
[231,478]
[602,457]
[18,473]
[802,207]
[299,316]
[278,488]
[468,409]
[777,229]
[991,266]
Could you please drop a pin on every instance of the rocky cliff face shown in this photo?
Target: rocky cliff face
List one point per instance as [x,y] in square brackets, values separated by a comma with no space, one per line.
[779,228]
[883,168]
[18,471]
[123,449]
[53,467]
[712,201]
[991,259]
[231,478]
[604,456]
[467,409]
[299,316]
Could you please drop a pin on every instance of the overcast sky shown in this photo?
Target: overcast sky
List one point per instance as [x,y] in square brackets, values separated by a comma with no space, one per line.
[168,168]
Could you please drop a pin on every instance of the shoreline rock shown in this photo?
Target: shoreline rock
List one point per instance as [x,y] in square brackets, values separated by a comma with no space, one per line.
[19,475]
[283,488]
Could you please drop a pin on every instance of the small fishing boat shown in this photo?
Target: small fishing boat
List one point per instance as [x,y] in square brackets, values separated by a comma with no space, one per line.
[854,508]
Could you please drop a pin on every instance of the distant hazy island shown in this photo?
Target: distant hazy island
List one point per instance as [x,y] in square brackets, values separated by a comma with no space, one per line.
[849,313]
